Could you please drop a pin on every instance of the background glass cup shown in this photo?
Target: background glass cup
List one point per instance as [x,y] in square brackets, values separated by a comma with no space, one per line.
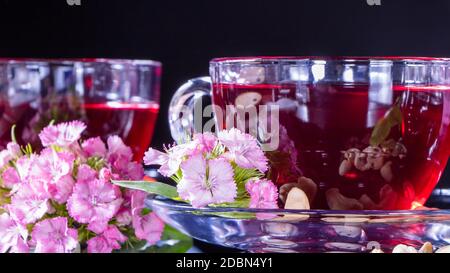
[354,132]
[113,97]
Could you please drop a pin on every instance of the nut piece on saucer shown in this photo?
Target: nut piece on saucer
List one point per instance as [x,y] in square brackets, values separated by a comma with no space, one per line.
[350,154]
[248,99]
[336,201]
[361,162]
[297,200]
[404,249]
[308,186]
[284,191]
[375,158]
[386,171]
[445,249]
[305,184]
[345,167]
[426,248]
[377,250]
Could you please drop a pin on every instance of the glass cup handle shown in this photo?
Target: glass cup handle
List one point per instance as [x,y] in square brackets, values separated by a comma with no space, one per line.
[182,115]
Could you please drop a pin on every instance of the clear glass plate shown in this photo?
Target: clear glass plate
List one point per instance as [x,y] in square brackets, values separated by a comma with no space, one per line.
[285,231]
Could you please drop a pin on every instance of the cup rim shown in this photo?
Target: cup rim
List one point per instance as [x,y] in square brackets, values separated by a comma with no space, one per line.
[343,59]
[71,61]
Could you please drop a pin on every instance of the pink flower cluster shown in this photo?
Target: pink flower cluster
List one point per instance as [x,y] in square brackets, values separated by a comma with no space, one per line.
[62,199]
[205,169]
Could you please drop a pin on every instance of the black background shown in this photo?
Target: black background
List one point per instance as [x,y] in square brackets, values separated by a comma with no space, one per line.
[185,35]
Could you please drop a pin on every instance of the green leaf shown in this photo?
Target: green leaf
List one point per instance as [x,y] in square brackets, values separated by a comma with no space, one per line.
[395,116]
[96,163]
[243,203]
[241,176]
[384,126]
[150,187]
[145,211]
[236,215]
[177,176]
[380,132]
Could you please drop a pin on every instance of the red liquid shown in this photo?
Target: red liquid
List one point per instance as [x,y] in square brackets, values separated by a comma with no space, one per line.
[319,122]
[133,122]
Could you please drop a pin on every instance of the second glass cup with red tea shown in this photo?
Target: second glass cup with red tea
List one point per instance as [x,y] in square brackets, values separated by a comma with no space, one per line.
[358,133]
[113,97]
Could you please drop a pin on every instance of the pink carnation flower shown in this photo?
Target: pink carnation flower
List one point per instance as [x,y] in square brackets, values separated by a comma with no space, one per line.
[31,202]
[86,173]
[207,182]
[10,178]
[120,158]
[137,201]
[263,194]
[107,175]
[123,216]
[94,201]
[94,147]
[243,150]
[155,157]
[24,166]
[205,143]
[110,240]
[5,157]
[63,134]
[132,171]
[54,236]
[147,227]
[117,150]
[13,235]
[56,168]
[62,189]
[171,160]
[12,151]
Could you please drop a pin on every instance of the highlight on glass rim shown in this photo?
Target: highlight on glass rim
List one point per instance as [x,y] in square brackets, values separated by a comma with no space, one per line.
[233,128]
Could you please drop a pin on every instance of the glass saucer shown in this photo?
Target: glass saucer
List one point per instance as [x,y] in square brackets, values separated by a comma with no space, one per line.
[286,231]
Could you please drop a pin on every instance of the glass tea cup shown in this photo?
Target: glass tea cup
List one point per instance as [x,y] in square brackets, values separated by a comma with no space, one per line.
[113,97]
[356,133]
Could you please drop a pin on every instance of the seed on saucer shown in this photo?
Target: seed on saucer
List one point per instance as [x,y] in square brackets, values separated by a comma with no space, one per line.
[297,200]
[401,248]
[284,191]
[426,248]
[445,249]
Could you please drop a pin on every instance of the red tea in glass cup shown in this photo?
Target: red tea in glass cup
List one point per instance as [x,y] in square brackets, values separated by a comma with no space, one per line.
[363,133]
[113,97]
